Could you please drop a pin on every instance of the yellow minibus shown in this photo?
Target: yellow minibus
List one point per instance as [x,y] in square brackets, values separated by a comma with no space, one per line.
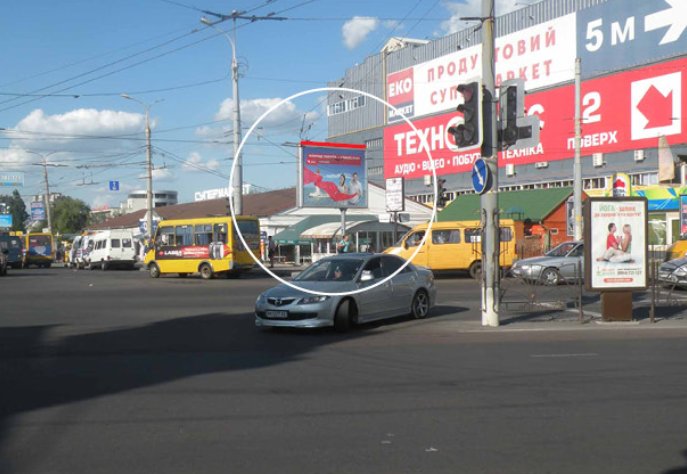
[456,245]
[208,245]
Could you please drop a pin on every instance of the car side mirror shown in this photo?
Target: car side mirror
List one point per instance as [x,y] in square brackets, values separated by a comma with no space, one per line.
[366,276]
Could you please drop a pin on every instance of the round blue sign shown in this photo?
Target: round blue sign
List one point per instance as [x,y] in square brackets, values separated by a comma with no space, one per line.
[480,176]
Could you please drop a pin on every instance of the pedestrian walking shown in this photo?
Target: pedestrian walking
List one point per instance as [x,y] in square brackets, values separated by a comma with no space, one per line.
[271,249]
[344,245]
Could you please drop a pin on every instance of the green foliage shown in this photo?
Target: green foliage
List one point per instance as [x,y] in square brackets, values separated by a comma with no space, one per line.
[18,210]
[69,215]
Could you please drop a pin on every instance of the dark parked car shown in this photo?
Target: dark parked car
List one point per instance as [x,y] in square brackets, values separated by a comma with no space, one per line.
[674,272]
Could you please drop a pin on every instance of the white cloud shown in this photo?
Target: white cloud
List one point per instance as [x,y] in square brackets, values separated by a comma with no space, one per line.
[69,133]
[470,8]
[195,163]
[286,119]
[356,30]
[392,24]
[162,174]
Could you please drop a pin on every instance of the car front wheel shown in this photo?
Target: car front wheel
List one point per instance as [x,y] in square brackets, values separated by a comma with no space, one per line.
[342,319]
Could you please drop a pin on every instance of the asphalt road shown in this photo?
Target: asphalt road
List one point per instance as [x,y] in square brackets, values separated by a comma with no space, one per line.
[113,372]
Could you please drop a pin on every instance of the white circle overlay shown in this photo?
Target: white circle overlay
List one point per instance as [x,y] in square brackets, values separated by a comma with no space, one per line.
[423,142]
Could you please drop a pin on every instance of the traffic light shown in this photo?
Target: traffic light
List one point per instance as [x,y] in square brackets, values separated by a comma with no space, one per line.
[516,129]
[508,102]
[469,133]
[441,193]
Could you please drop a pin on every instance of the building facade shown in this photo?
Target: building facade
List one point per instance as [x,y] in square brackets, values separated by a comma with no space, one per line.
[634,91]
[137,200]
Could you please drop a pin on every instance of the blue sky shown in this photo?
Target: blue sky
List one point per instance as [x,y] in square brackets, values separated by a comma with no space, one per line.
[64,65]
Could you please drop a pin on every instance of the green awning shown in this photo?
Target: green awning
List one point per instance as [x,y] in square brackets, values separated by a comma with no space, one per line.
[292,235]
[532,204]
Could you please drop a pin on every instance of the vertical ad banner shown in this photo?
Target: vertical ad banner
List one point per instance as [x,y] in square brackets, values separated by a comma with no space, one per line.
[616,247]
[683,215]
[37,211]
[334,175]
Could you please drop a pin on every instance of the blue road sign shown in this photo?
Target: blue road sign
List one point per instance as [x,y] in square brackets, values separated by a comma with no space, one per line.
[481,179]
[114,185]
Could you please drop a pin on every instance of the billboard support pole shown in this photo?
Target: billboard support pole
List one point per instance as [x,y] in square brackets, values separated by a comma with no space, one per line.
[577,163]
[343,221]
[489,200]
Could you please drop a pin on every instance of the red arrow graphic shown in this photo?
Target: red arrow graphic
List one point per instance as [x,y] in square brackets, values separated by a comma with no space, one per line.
[657,109]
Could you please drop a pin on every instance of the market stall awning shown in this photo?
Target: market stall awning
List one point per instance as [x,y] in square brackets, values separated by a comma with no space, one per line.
[292,235]
[331,229]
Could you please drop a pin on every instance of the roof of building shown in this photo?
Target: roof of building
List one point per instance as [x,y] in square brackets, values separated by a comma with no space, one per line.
[260,205]
[532,204]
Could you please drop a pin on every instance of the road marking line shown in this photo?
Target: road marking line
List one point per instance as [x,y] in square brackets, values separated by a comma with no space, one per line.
[583,354]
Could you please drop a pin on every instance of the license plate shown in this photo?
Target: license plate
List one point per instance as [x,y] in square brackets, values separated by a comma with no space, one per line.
[277,314]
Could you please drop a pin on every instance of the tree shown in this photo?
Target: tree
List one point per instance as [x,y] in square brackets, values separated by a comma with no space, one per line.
[69,215]
[18,210]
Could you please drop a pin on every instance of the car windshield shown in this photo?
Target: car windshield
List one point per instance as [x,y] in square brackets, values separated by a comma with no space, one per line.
[562,250]
[336,269]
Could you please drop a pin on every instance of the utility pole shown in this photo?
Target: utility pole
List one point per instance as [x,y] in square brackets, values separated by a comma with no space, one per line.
[236,186]
[149,163]
[490,200]
[577,163]
[44,163]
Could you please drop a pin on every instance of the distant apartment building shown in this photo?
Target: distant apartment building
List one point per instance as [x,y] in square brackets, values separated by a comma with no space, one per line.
[137,200]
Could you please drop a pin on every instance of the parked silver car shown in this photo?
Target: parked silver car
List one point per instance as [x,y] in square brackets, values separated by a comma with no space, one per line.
[410,292]
[565,262]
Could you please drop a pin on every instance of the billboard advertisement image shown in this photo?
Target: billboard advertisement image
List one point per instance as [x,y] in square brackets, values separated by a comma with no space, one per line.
[334,175]
[616,249]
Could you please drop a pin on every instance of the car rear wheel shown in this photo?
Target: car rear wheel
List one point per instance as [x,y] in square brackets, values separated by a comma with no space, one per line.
[154,270]
[343,320]
[550,277]
[419,308]
[205,271]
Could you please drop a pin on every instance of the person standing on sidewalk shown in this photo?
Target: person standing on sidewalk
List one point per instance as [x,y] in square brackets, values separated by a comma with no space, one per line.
[271,248]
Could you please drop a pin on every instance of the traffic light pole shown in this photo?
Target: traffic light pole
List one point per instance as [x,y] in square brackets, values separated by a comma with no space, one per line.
[489,200]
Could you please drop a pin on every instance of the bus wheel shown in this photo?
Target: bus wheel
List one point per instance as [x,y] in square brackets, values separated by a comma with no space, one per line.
[475,270]
[154,270]
[205,271]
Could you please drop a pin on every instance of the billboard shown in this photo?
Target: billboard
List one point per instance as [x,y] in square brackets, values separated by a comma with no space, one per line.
[543,55]
[616,249]
[395,195]
[625,111]
[618,34]
[333,175]
[5,221]
[683,215]
[11,179]
[37,211]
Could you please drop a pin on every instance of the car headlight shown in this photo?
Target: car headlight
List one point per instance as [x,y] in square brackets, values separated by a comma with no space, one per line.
[681,271]
[313,299]
[261,299]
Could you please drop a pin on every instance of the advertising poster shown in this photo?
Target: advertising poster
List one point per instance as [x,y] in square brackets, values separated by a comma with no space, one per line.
[395,201]
[334,175]
[37,211]
[616,236]
[683,214]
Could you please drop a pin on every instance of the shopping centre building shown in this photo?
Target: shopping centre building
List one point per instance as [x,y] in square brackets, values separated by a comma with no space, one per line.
[633,59]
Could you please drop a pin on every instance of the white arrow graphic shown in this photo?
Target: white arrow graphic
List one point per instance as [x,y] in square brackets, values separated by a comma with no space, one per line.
[480,179]
[674,17]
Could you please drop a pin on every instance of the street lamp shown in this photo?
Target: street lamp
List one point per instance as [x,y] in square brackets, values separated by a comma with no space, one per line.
[149,163]
[236,186]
